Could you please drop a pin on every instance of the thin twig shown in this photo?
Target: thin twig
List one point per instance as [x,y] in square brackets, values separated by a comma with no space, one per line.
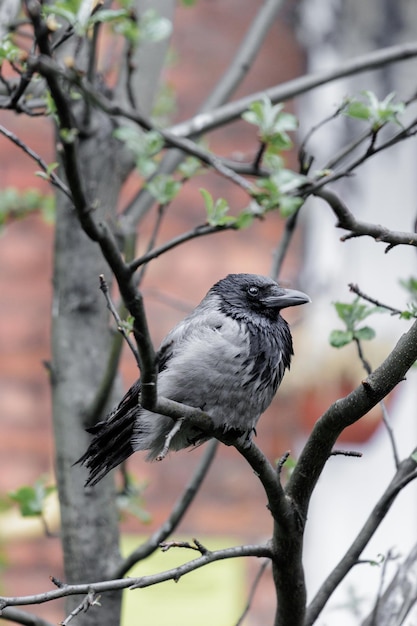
[169,437]
[405,474]
[52,177]
[198,231]
[283,245]
[91,599]
[252,592]
[375,610]
[205,122]
[120,326]
[258,550]
[151,244]
[353,453]
[385,415]
[347,221]
[22,617]
[196,545]
[364,296]
[282,461]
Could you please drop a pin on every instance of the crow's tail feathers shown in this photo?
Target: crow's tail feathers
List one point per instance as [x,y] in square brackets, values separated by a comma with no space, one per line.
[112,439]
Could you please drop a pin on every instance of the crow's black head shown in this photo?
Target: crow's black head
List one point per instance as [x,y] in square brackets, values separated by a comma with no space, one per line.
[243,294]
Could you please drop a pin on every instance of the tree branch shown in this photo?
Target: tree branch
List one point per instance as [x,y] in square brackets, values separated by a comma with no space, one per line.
[22,617]
[345,412]
[52,177]
[399,598]
[205,122]
[407,471]
[261,550]
[347,221]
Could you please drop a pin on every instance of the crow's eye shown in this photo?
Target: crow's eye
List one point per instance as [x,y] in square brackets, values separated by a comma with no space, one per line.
[253,291]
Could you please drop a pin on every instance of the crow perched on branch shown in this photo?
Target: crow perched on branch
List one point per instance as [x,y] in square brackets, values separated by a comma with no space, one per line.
[227,358]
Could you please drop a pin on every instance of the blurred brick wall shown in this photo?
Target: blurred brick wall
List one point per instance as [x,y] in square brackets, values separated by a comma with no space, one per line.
[231,501]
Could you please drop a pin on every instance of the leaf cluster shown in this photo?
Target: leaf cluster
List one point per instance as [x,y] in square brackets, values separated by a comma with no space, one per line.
[31,498]
[16,204]
[352,314]
[376,112]
[151,27]
[273,123]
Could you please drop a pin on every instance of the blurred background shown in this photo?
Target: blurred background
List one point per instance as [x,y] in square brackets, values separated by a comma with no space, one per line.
[230,509]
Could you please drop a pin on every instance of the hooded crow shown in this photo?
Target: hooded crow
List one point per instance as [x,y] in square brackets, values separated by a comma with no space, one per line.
[226,358]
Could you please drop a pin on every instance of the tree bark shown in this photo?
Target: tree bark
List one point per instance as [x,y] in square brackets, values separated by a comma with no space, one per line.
[81,345]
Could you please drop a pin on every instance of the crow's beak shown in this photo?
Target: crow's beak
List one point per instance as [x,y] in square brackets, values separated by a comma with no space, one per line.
[283,298]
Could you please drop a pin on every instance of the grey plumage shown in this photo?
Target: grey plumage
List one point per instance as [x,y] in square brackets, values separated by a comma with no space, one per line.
[227,358]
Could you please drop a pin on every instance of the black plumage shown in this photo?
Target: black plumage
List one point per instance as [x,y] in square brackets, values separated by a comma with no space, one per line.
[227,358]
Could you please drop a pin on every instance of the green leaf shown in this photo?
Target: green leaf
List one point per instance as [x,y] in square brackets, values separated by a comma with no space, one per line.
[354,312]
[154,27]
[47,175]
[280,191]
[60,9]
[288,205]
[244,219]
[358,110]
[216,210]
[414,456]
[109,15]
[273,161]
[16,204]
[9,51]
[376,112]
[273,124]
[340,338]
[190,167]
[127,324]
[31,500]
[143,145]
[163,188]
[410,285]
[365,333]
[68,135]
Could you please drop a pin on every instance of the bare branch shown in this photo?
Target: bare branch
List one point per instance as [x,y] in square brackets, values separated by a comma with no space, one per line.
[406,473]
[347,221]
[196,545]
[205,122]
[345,412]
[353,453]
[120,326]
[252,592]
[364,296]
[48,68]
[388,557]
[401,595]
[90,600]
[22,617]
[261,550]
[282,246]
[277,503]
[198,231]
[52,177]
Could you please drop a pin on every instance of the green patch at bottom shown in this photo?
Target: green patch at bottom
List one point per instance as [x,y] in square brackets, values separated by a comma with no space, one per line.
[213,594]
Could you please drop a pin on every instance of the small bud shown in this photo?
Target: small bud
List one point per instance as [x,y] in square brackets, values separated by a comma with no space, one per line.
[52,24]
